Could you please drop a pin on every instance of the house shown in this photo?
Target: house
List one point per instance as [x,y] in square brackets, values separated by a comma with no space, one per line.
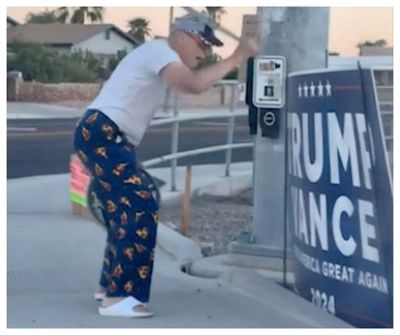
[372,50]
[102,40]
[376,62]
[11,22]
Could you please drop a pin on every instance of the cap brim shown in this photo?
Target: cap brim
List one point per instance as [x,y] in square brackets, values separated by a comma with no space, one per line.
[208,34]
[215,41]
[212,40]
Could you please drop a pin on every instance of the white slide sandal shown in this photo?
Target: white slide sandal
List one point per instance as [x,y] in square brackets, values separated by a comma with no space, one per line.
[126,308]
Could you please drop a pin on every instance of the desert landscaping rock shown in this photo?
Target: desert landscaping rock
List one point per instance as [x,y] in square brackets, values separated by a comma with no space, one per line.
[214,222]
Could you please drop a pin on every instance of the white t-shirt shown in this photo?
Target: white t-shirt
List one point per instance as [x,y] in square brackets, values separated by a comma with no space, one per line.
[135,90]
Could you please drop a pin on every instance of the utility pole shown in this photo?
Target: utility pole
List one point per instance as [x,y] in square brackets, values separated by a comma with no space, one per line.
[171,18]
[300,34]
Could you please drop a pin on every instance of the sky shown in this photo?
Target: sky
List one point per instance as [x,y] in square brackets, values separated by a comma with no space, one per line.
[348,25]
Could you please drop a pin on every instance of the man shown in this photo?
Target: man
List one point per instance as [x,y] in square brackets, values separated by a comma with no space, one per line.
[105,140]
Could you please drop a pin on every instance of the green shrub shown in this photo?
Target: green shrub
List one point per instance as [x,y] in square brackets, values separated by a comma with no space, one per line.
[44,64]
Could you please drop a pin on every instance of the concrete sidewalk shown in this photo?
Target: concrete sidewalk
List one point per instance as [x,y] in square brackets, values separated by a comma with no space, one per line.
[32,110]
[54,261]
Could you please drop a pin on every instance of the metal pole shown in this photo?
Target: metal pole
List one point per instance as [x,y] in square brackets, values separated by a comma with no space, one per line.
[300,34]
[191,153]
[186,201]
[285,197]
[232,105]
[174,142]
[171,18]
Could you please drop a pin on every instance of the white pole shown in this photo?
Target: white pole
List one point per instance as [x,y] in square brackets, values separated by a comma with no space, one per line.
[300,34]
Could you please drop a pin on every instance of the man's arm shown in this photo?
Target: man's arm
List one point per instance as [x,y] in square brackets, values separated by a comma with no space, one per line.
[186,80]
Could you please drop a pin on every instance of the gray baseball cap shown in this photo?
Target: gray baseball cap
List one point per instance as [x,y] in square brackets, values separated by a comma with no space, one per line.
[199,24]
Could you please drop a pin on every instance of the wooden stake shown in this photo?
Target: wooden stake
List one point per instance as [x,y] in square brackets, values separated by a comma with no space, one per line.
[186,201]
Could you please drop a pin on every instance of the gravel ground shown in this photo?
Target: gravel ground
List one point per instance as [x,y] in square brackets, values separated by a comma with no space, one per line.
[213,221]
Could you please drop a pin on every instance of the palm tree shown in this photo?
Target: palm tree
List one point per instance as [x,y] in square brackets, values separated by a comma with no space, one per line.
[63,14]
[215,14]
[80,14]
[139,29]
[94,14]
[43,17]
[379,43]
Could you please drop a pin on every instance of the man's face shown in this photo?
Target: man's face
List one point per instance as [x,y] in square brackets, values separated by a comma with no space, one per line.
[193,49]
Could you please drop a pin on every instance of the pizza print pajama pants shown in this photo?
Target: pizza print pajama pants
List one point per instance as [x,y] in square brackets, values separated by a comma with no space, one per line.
[130,212]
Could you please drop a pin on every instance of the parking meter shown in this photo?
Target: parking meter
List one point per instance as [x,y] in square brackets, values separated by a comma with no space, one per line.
[265,94]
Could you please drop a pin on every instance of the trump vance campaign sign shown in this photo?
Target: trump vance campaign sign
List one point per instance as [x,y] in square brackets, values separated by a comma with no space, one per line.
[339,196]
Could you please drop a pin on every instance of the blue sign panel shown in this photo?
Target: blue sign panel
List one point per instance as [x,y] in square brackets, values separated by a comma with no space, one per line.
[339,197]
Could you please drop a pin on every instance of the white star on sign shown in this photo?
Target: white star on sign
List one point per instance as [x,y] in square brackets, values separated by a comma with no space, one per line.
[305,90]
[328,88]
[300,90]
[320,89]
[312,89]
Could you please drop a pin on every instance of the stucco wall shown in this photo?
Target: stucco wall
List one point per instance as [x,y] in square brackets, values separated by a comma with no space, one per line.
[49,93]
[76,94]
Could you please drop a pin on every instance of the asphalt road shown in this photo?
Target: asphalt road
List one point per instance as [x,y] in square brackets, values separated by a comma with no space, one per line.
[43,146]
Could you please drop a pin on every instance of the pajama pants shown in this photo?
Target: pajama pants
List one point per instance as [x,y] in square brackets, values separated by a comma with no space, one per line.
[129,210]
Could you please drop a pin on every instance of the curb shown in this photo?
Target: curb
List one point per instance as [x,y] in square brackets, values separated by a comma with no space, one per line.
[275,296]
[228,186]
[179,247]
